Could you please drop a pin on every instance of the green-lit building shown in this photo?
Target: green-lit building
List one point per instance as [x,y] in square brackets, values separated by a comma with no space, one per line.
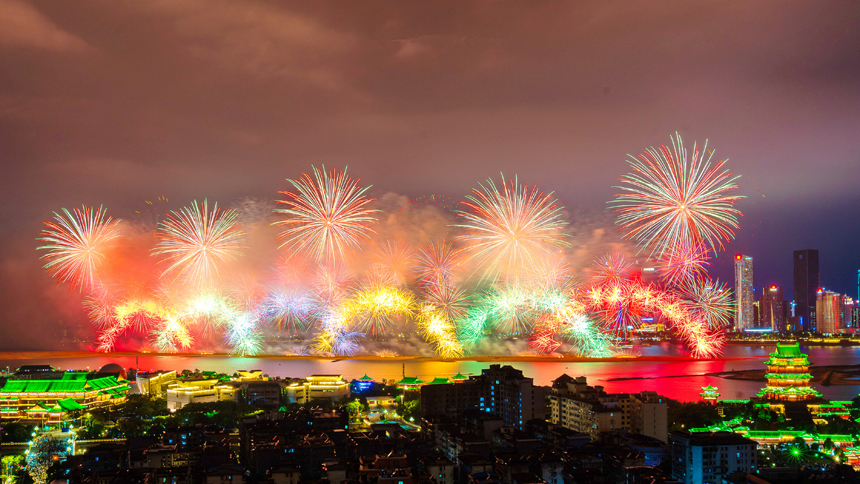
[788,376]
[54,398]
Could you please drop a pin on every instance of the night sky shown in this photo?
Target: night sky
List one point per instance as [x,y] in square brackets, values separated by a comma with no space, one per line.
[114,103]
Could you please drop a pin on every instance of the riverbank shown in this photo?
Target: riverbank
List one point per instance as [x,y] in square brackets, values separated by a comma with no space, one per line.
[40,355]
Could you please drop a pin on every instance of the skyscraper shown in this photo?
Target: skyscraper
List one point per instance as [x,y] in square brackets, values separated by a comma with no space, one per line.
[806,281]
[744,318]
[772,308]
[828,311]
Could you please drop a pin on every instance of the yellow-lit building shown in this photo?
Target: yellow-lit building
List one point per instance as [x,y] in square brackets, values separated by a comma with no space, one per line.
[198,390]
[155,383]
[314,387]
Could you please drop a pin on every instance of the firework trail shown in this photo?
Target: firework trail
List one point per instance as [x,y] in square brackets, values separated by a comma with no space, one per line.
[327,215]
[76,243]
[671,199]
[510,228]
[243,334]
[196,241]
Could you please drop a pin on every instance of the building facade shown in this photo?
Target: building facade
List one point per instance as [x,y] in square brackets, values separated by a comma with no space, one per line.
[649,415]
[499,390]
[806,282]
[772,309]
[744,292]
[829,311]
[700,458]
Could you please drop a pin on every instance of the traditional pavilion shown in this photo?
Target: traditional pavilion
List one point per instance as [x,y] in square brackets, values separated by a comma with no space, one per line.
[51,400]
[788,376]
[363,383]
[710,394]
[459,378]
[410,383]
[439,380]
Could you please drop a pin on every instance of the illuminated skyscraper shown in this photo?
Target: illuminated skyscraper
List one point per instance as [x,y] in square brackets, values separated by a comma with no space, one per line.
[829,311]
[806,282]
[744,317]
[772,308]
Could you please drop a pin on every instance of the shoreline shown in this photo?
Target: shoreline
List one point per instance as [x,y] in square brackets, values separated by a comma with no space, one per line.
[33,355]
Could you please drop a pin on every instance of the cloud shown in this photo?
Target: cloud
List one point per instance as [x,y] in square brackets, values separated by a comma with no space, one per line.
[21,25]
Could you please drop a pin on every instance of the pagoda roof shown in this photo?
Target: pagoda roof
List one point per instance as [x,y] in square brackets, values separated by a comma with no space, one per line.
[709,388]
[788,350]
[410,380]
[439,381]
[69,404]
[365,378]
[458,376]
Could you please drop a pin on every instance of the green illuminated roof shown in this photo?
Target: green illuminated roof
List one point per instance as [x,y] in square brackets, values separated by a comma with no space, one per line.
[410,380]
[365,378]
[788,376]
[791,390]
[789,350]
[439,381]
[69,405]
[709,388]
[58,386]
[458,376]
[75,375]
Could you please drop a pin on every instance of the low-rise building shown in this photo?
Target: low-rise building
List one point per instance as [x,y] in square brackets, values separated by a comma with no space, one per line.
[198,390]
[155,383]
[315,387]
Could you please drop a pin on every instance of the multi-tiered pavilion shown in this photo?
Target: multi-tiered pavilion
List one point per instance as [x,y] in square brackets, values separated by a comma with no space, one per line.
[788,376]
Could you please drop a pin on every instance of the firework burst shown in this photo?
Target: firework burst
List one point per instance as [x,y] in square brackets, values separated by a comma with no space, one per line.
[196,241]
[327,215]
[76,242]
[510,228]
[671,199]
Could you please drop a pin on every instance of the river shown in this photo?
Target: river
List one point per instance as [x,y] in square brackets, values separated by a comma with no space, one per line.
[687,376]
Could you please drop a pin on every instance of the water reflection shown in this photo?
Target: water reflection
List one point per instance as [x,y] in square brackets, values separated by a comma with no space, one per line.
[688,376]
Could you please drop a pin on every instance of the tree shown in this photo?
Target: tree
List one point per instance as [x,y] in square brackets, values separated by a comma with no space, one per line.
[11,467]
[41,456]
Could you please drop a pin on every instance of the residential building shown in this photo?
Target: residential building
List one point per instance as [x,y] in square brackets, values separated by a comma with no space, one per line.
[701,458]
[649,415]
[512,396]
[806,283]
[744,317]
[499,390]
[576,406]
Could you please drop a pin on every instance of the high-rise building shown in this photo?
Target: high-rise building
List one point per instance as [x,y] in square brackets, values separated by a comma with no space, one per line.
[500,390]
[828,307]
[744,317]
[806,282]
[772,308]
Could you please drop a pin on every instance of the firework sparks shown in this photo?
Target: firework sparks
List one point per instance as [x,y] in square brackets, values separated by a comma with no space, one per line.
[510,228]
[196,241]
[76,242]
[671,199]
[327,215]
